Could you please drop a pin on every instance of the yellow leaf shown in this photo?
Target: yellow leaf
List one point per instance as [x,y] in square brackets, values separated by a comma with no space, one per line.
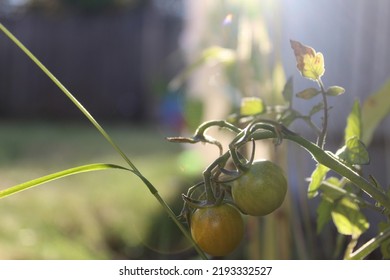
[309,62]
[251,106]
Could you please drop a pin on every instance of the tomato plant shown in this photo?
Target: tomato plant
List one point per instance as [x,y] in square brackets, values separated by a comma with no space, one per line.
[261,189]
[218,230]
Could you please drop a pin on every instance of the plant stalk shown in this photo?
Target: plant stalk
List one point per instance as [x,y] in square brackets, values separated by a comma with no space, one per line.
[322,137]
[327,159]
[369,246]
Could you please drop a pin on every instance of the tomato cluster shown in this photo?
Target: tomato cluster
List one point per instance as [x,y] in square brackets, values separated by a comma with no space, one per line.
[218,228]
[255,188]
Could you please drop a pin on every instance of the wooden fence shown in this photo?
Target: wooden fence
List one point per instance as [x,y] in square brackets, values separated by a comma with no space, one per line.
[112,62]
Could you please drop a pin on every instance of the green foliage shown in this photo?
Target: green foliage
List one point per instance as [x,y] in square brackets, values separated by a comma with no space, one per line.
[288,91]
[317,177]
[316,108]
[324,211]
[354,151]
[308,93]
[354,123]
[340,202]
[251,106]
[385,246]
[348,219]
[210,55]
[335,91]
[338,205]
[374,109]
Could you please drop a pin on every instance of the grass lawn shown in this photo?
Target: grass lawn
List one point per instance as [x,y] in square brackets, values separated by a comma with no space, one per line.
[101,215]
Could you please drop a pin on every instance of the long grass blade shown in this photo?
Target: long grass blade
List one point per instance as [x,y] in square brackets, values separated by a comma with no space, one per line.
[133,169]
[58,175]
[68,94]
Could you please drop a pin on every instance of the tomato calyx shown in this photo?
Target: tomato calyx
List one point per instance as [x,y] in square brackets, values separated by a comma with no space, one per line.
[195,203]
[191,203]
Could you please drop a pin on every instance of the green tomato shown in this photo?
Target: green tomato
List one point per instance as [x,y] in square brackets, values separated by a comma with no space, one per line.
[261,190]
[217,230]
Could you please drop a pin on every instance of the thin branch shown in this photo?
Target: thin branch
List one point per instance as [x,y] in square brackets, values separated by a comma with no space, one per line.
[322,137]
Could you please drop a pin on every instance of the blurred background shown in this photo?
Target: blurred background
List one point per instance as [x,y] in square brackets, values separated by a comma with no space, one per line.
[148,69]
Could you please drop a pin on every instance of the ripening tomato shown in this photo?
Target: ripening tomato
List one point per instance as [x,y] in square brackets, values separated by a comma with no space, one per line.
[261,190]
[217,230]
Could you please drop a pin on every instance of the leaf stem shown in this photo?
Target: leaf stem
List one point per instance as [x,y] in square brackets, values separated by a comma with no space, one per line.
[322,137]
[369,246]
[326,158]
[342,192]
[351,245]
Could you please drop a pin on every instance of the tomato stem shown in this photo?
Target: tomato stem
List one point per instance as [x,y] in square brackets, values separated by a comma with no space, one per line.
[220,123]
[322,137]
[369,246]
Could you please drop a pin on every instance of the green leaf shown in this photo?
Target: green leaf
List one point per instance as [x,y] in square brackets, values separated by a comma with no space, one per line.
[332,189]
[316,108]
[354,123]
[348,219]
[316,179]
[335,91]
[309,62]
[219,54]
[289,117]
[374,109]
[324,211]
[308,93]
[375,182]
[213,54]
[288,90]
[58,175]
[354,152]
[385,245]
[251,106]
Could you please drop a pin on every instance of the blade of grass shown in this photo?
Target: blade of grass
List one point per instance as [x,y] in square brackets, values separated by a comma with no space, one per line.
[58,175]
[134,169]
[68,94]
